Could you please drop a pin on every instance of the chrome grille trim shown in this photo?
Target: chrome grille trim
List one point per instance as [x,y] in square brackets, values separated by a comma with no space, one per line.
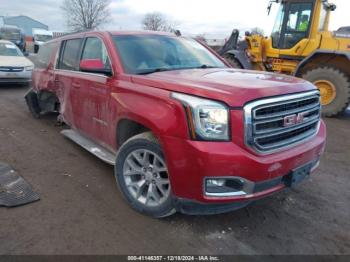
[11,69]
[264,131]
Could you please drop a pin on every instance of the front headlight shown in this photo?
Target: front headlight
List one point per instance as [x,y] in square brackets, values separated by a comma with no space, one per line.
[208,120]
[29,68]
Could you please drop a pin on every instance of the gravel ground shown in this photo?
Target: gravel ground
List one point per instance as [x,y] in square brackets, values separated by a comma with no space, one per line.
[82,212]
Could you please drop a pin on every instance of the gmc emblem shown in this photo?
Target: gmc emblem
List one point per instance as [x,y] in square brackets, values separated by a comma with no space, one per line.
[294,119]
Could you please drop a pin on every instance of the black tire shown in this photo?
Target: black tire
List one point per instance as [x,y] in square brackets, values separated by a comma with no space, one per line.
[33,104]
[232,61]
[144,141]
[341,83]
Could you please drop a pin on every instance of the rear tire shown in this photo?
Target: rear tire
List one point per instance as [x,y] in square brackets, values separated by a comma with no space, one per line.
[232,61]
[143,177]
[33,104]
[334,86]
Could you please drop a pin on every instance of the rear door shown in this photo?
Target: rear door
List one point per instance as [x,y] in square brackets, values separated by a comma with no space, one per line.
[67,82]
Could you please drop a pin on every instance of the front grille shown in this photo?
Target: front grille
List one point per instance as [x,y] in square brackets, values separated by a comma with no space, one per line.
[276,123]
[11,69]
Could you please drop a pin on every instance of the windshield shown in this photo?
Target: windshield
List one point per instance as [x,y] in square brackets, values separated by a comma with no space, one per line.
[43,38]
[276,32]
[10,34]
[9,50]
[323,15]
[144,54]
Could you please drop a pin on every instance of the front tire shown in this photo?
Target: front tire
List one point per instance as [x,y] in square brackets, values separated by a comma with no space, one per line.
[143,177]
[334,86]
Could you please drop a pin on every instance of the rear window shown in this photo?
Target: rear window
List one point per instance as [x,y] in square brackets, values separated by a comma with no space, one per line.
[43,57]
[69,55]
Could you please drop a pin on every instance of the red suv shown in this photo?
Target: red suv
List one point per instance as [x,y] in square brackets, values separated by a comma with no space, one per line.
[184,131]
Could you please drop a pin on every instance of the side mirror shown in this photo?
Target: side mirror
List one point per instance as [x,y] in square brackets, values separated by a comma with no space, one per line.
[25,53]
[94,66]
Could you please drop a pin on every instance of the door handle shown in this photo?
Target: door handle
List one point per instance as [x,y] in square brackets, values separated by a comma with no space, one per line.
[76,85]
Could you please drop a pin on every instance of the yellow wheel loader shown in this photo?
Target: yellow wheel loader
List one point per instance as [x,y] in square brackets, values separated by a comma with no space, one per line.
[301,45]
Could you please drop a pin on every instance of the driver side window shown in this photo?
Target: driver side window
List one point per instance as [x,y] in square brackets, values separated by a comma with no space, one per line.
[298,24]
[95,49]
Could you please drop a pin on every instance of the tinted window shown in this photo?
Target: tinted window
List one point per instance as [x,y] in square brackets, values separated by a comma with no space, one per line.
[69,57]
[95,49]
[43,57]
[142,54]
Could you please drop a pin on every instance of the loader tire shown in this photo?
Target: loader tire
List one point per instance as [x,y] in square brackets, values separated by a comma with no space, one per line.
[232,61]
[334,86]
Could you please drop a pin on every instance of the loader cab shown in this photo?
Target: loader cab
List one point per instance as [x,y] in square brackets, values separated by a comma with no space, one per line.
[293,23]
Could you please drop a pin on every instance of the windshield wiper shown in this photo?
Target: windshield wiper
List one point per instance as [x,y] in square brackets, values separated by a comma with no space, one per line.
[154,70]
[204,66]
[162,69]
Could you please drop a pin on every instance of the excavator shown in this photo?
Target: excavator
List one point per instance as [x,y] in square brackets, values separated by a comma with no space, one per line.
[302,45]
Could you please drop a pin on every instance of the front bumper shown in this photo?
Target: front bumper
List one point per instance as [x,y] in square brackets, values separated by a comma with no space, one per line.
[260,190]
[193,161]
[17,77]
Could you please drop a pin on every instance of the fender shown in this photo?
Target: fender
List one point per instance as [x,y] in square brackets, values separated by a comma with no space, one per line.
[318,52]
[153,108]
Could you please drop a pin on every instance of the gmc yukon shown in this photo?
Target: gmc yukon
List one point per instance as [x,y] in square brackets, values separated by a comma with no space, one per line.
[184,131]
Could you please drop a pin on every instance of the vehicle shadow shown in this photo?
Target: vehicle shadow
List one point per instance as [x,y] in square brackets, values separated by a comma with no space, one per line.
[13,86]
[285,221]
[345,115]
[256,214]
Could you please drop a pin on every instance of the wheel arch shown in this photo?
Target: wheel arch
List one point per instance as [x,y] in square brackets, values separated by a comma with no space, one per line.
[340,60]
[48,101]
[150,109]
[127,128]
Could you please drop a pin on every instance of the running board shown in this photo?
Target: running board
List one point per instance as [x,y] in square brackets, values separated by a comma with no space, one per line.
[102,153]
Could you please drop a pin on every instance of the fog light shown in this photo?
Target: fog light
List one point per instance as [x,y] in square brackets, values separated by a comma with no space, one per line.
[216,182]
[225,187]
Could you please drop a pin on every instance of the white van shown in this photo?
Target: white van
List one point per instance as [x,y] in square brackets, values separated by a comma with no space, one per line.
[40,36]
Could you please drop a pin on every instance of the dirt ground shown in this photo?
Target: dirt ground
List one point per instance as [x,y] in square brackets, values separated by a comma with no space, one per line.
[82,212]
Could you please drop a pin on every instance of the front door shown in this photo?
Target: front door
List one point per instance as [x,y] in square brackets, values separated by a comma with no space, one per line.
[95,89]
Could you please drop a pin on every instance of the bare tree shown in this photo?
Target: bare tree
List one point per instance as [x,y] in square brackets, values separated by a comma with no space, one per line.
[157,22]
[84,15]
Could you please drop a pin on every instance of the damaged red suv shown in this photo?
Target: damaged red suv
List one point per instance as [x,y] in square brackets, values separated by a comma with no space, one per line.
[184,131]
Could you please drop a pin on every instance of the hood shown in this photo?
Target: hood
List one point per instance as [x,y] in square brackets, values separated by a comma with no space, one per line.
[234,87]
[18,61]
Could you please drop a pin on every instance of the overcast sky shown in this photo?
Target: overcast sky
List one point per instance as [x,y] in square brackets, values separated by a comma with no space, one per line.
[213,18]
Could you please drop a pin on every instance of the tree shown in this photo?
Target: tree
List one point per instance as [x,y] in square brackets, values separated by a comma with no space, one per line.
[157,22]
[84,15]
